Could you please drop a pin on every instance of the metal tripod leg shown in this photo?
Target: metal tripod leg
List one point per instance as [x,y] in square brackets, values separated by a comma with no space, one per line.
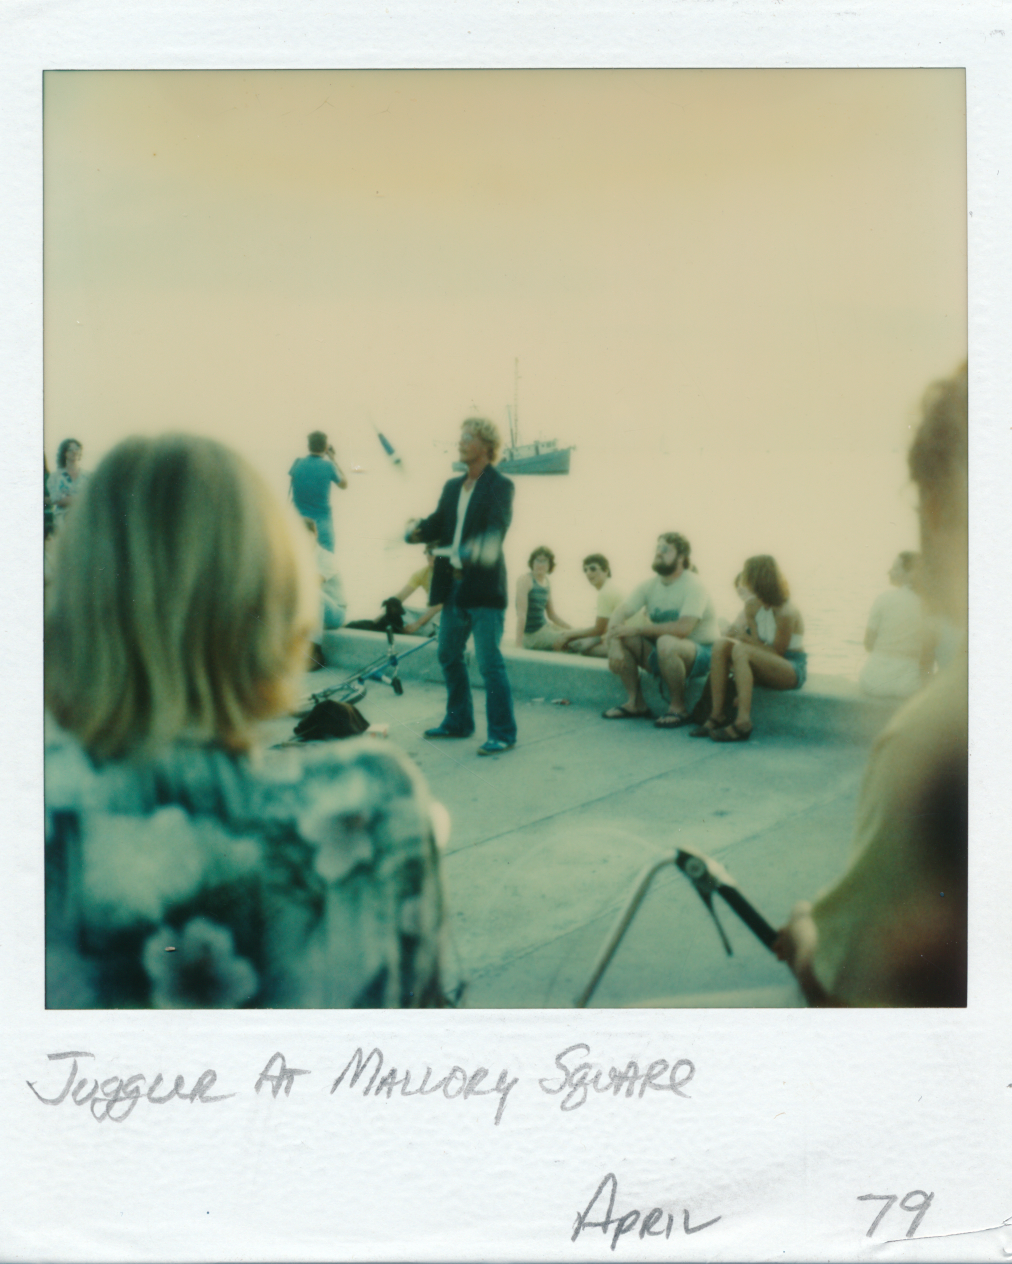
[707,877]
[620,928]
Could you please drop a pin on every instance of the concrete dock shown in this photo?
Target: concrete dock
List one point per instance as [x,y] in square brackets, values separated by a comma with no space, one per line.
[549,838]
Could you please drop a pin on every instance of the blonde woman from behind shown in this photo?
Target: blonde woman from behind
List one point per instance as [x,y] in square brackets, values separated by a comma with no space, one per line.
[185,868]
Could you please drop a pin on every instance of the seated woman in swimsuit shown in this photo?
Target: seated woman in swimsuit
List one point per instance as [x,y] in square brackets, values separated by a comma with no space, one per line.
[769,652]
[538,626]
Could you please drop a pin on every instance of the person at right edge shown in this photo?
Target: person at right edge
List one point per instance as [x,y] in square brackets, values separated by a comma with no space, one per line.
[470,524]
[892,931]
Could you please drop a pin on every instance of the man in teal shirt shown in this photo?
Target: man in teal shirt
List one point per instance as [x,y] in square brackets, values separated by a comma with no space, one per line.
[311,477]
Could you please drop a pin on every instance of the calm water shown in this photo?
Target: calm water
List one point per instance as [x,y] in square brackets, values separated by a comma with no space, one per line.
[834,521]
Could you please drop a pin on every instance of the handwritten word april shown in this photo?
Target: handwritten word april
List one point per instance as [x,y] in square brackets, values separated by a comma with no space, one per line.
[587,1075]
[456,1083]
[649,1223]
[115,1097]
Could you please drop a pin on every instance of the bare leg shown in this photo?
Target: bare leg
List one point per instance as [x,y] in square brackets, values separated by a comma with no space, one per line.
[672,673]
[720,666]
[754,662]
[675,657]
[743,679]
[623,660]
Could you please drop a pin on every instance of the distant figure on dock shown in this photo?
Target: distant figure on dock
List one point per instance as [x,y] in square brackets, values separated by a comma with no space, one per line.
[469,526]
[47,502]
[67,480]
[539,627]
[769,651]
[899,645]
[673,642]
[590,641]
[892,931]
[311,477]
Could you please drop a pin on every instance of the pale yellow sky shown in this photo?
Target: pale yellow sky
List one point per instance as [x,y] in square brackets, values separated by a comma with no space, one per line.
[728,250]
[734,263]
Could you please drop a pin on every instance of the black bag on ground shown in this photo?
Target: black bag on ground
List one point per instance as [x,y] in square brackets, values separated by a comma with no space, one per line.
[700,713]
[330,719]
[392,618]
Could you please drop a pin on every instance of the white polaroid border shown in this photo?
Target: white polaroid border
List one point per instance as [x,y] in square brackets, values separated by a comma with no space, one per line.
[794,1114]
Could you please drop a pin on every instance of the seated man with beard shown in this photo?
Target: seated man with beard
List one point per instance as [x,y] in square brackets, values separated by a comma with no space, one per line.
[673,643]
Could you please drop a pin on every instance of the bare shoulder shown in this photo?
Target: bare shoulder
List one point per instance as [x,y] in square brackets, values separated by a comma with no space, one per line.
[789,612]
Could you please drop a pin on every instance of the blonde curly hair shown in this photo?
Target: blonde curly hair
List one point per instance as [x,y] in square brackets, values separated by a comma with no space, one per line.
[488,432]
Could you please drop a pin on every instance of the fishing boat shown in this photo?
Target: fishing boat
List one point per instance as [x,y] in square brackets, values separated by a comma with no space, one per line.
[543,456]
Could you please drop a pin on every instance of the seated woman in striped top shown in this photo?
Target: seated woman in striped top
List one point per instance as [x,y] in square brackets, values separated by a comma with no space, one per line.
[538,626]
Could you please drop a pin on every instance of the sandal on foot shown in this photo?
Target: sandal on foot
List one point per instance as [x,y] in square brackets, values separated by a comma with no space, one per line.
[708,727]
[732,733]
[623,713]
[671,720]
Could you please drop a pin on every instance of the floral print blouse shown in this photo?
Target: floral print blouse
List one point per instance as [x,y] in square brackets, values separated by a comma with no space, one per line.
[59,484]
[306,877]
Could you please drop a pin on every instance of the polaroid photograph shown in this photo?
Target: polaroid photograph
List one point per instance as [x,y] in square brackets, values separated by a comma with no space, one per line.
[519,498]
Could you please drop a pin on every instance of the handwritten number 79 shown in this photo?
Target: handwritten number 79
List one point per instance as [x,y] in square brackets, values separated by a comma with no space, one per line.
[906,1205]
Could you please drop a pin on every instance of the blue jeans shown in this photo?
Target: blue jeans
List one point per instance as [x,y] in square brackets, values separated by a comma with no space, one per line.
[700,664]
[798,659]
[456,625]
[333,614]
[324,528]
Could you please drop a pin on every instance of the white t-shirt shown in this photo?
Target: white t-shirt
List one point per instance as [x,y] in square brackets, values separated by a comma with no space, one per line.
[608,599]
[462,504]
[684,598]
[897,619]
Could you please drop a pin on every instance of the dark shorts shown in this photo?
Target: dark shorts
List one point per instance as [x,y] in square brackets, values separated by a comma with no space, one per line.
[798,659]
[700,664]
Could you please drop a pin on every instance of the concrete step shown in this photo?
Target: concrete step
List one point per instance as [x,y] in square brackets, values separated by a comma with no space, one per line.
[827,707]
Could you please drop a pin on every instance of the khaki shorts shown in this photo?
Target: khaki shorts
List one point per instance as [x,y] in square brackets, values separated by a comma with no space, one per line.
[544,639]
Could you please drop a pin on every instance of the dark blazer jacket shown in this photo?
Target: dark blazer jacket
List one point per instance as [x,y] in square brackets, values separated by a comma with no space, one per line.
[486,522]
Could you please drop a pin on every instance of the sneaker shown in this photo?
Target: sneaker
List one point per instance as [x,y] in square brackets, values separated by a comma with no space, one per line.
[442,731]
[495,747]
